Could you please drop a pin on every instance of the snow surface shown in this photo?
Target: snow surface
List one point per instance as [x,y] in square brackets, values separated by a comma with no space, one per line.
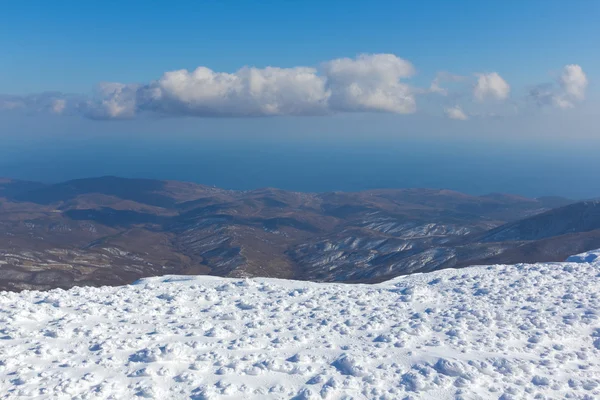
[498,332]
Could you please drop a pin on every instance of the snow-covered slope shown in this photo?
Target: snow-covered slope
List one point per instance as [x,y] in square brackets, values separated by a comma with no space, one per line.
[522,331]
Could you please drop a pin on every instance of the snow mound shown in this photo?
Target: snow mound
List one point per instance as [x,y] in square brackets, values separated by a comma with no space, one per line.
[587,257]
[493,332]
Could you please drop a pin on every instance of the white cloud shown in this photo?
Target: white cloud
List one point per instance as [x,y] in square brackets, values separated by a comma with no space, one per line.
[491,86]
[366,83]
[370,82]
[456,112]
[572,85]
[246,93]
[574,81]
[112,101]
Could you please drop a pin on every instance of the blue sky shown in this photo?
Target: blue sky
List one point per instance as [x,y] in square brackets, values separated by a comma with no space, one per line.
[70,46]
[495,73]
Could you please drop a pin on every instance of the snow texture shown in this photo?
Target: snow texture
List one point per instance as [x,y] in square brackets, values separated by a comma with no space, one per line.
[494,332]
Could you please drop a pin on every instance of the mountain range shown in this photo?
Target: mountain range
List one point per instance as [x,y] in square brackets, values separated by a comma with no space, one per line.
[113,231]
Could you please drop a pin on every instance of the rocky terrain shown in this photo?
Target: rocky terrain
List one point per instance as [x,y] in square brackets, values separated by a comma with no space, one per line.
[113,231]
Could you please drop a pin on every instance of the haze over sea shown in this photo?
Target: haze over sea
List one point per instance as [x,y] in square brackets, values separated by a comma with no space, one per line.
[314,165]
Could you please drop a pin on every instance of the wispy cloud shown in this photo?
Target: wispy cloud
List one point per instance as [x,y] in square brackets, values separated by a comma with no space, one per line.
[53,102]
[441,78]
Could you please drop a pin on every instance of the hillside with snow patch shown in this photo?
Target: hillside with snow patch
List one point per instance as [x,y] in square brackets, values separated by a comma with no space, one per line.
[494,332]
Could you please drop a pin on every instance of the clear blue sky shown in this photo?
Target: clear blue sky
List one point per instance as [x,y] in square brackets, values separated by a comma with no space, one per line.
[70,45]
[492,77]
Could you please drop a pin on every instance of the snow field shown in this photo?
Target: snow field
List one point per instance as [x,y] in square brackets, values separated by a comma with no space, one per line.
[497,332]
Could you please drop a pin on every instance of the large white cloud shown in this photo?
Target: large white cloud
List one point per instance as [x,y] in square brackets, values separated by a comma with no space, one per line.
[370,83]
[248,92]
[366,83]
[492,86]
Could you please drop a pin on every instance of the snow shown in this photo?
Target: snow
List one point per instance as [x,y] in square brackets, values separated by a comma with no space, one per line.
[497,332]
[587,257]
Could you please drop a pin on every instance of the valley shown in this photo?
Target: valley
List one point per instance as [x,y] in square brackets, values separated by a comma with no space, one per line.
[113,231]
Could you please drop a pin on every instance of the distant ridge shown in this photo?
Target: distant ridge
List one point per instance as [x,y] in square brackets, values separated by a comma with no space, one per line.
[573,218]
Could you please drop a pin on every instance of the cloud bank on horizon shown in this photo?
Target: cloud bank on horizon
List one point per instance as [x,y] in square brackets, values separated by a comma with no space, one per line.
[366,83]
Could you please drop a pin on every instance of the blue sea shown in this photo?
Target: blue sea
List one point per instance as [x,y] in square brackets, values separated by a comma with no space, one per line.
[311,165]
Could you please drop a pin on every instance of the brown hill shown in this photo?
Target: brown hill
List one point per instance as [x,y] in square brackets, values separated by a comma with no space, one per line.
[113,230]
